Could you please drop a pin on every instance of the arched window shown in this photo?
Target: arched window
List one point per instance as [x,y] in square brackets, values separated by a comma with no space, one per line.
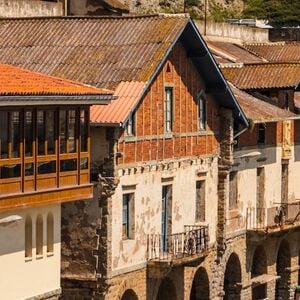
[39,235]
[28,237]
[50,233]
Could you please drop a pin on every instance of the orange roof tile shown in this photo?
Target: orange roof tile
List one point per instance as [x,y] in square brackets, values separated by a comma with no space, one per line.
[262,75]
[128,94]
[18,81]
[276,52]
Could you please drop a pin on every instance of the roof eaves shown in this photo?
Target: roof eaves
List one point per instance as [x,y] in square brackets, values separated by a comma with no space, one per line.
[241,112]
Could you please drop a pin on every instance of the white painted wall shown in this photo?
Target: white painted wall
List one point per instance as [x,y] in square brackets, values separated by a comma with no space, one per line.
[21,278]
[148,205]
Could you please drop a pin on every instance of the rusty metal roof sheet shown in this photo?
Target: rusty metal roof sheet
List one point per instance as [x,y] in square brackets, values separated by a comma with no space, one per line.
[232,52]
[276,52]
[263,75]
[260,111]
[100,51]
[128,93]
[18,81]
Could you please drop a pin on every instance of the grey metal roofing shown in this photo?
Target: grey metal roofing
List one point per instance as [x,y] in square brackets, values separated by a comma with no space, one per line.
[104,51]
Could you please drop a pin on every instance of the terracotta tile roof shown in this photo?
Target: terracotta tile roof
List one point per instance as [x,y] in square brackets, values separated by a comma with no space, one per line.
[264,75]
[128,93]
[258,110]
[18,81]
[100,51]
[232,52]
[276,52]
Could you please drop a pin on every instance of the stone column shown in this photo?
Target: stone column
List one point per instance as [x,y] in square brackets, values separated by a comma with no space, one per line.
[224,166]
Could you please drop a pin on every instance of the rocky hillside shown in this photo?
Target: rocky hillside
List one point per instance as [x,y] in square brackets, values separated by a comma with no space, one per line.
[218,10]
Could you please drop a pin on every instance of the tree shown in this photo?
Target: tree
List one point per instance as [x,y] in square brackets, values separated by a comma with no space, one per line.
[277,12]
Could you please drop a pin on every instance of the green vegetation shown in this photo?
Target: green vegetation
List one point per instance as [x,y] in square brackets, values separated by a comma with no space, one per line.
[277,12]
[220,13]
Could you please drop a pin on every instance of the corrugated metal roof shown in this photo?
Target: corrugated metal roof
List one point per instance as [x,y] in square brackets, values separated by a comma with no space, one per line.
[18,81]
[232,52]
[128,93]
[276,52]
[258,110]
[100,51]
[264,75]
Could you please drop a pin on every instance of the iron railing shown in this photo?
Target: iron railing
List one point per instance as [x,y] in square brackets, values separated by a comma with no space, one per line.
[272,217]
[193,241]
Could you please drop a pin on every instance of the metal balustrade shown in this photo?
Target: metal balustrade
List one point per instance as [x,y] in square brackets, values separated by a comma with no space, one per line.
[193,241]
[272,217]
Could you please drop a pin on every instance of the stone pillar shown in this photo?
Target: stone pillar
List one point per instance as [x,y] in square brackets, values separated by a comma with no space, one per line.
[225,163]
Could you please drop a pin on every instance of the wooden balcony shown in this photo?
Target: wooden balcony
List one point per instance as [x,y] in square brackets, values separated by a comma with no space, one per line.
[178,248]
[279,217]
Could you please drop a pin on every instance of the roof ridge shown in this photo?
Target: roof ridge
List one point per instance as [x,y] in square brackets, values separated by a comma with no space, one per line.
[168,15]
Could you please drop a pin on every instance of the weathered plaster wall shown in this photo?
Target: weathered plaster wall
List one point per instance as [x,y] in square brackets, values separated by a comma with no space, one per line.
[20,277]
[29,8]
[147,188]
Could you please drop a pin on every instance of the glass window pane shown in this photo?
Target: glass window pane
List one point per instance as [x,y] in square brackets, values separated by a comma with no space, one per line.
[28,132]
[10,171]
[84,164]
[29,169]
[62,131]
[15,134]
[4,134]
[50,133]
[68,165]
[41,132]
[46,167]
[83,130]
[71,130]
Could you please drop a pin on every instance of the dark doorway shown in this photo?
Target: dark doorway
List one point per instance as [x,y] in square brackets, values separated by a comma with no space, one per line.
[166,290]
[129,295]
[233,278]
[200,287]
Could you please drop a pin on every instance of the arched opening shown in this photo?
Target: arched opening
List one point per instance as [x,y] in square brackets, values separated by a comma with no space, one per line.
[258,268]
[28,237]
[39,235]
[166,290]
[200,287]
[50,233]
[283,263]
[233,278]
[129,295]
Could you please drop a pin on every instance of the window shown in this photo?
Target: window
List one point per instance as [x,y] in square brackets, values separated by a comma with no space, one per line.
[130,128]
[200,201]
[168,109]
[63,131]
[15,134]
[128,216]
[39,235]
[50,131]
[68,165]
[50,233]
[10,171]
[83,130]
[28,130]
[71,131]
[286,99]
[261,134]
[233,190]
[4,134]
[41,132]
[28,237]
[201,112]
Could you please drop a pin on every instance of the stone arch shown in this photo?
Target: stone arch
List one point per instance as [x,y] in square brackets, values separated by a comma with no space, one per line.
[39,235]
[167,290]
[233,278]
[28,237]
[283,262]
[129,295]
[200,287]
[259,262]
[50,233]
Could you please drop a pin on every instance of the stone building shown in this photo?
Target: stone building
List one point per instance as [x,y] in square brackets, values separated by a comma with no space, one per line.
[178,212]
[41,166]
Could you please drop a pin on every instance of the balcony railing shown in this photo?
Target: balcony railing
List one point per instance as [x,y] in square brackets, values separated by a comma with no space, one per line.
[191,243]
[282,215]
